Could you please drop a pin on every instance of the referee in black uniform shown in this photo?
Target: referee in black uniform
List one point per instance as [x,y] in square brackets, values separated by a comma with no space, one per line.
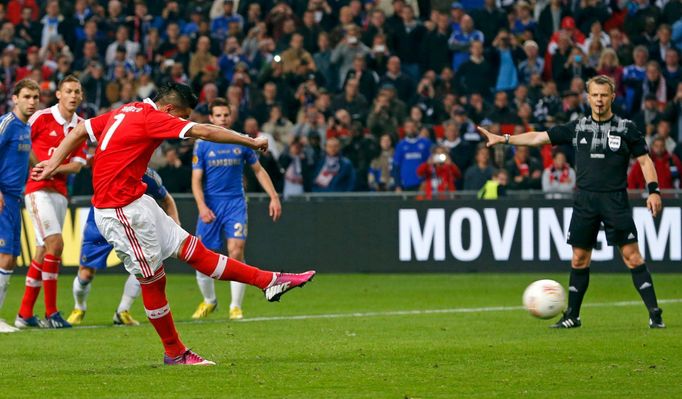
[603,145]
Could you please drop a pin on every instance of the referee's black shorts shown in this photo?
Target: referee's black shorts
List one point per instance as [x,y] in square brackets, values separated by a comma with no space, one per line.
[591,209]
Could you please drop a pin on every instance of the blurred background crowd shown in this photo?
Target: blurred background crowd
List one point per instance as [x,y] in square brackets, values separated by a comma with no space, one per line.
[367,95]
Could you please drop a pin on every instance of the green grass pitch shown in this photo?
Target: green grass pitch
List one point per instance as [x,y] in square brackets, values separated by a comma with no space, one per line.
[368,336]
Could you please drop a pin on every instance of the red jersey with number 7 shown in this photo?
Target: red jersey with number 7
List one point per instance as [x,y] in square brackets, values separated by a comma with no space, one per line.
[127,138]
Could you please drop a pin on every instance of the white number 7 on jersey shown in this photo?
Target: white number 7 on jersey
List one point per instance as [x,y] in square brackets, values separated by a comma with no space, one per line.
[107,136]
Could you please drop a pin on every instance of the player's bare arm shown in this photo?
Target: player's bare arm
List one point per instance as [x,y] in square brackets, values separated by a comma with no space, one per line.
[69,168]
[219,134]
[653,202]
[275,208]
[46,169]
[532,139]
[168,205]
[2,201]
[205,213]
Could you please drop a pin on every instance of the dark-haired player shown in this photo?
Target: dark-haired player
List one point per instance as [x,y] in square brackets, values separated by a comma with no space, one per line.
[222,205]
[46,203]
[15,148]
[142,235]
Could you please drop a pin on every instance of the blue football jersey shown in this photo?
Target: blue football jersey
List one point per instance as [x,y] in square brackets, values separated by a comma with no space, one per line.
[155,187]
[223,166]
[15,147]
[409,154]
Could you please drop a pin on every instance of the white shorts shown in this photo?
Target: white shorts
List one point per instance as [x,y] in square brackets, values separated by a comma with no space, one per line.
[143,236]
[47,210]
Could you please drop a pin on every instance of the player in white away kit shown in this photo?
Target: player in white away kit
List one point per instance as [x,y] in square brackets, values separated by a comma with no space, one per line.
[141,233]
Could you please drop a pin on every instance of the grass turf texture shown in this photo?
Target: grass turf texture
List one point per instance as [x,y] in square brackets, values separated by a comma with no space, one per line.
[489,353]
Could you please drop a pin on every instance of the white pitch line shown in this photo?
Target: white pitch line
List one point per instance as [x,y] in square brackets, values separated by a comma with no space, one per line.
[393,313]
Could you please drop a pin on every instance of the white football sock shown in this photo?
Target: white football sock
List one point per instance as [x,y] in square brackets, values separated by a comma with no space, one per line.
[81,291]
[131,290]
[237,289]
[207,288]
[4,284]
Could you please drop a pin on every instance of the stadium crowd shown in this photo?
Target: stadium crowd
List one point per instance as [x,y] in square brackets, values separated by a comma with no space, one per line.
[367,95]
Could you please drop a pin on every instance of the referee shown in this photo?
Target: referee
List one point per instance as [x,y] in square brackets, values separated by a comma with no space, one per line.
[603,145]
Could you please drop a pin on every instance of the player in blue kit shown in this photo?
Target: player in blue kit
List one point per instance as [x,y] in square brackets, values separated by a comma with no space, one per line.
[217,185]
[15,148]
[95,250]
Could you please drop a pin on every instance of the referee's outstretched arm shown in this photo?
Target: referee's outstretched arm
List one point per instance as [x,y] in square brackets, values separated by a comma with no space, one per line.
[533,139]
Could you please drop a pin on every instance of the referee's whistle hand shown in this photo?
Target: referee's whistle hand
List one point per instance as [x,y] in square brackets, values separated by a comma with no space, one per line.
[491,139]
[654,203]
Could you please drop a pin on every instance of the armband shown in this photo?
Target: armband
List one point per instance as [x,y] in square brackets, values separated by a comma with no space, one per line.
[653,188]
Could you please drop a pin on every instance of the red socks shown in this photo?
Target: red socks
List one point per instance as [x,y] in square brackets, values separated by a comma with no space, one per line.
[220,267]
[50,274]
[159,314]
[33,284]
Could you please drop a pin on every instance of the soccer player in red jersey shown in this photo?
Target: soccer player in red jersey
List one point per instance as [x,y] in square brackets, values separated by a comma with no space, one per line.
[46,202]
[141,233]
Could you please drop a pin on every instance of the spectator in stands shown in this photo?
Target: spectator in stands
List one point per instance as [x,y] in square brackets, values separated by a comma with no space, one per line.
[559,177]
[176,176]
[476,75]
[480,172]
[131,48]
[502,113]
[296,55]
[368,80]
[489,20]
[52,23]
[346,51]
[410,152]
[523,20]
[505,57]
[380,176]
[27,28]
[668,168]
[403,84]
[648,116]
[360,151]
[673,114]
[310,30]
[380,120]
[662,131]
[232,55]
[532,65]
[633,76]
[524,172]
[597,34]
[431,108]
[220,26]
[339,126]
[334,173]
[672,71]
[278,125]
[610,66]
[352,101]
[433,53]
[314,121]
[571,107]
[662,44]
[495,187]
[295,169]
[33,62]
[438,173]
[461,40]
[94,86]
[323,60]
[654,83]
[408,39]
[461,152]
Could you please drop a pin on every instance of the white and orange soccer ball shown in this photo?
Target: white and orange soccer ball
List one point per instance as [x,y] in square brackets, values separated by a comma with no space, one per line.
[544,299]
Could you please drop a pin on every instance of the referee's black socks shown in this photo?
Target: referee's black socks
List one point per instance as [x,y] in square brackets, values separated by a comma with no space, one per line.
[577,286]
[641,278]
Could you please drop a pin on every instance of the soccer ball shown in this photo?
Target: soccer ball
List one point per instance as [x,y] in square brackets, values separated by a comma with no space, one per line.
[544,299]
